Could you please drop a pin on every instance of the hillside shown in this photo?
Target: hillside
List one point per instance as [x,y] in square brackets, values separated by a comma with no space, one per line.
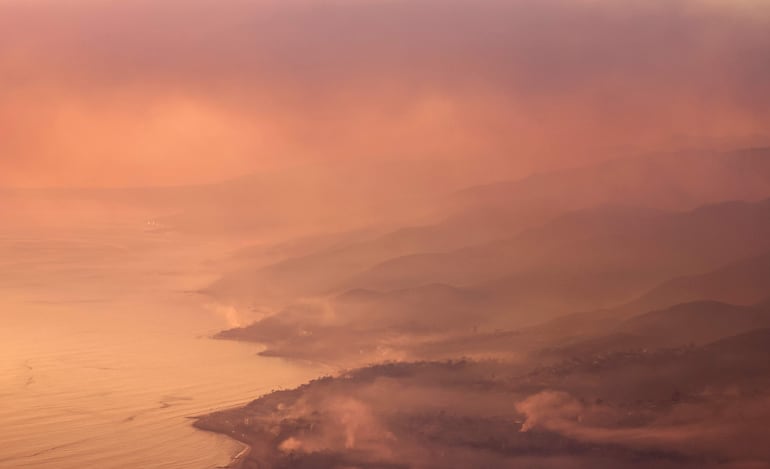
[480,220]
[696,407]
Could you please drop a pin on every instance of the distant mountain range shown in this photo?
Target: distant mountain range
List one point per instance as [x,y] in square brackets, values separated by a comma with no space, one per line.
[557,214]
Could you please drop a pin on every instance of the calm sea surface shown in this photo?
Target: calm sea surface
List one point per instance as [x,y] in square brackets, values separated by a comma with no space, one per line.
[104,353]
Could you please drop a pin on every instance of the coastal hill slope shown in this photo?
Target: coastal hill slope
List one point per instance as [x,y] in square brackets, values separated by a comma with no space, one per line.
[486,214]
[618,410]
[439,316]
[620,335]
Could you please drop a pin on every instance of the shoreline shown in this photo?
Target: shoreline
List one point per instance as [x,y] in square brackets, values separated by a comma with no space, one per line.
[239,459]
[236,462]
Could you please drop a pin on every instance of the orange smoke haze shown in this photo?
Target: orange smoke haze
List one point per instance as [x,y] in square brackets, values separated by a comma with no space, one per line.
[145,92]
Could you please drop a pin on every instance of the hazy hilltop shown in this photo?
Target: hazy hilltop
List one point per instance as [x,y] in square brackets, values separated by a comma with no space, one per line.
[585,261]
[697,322]
[739,286]
[434,291]
[474,234]
[605,239]
[438,321]
[744,282]
[676,181]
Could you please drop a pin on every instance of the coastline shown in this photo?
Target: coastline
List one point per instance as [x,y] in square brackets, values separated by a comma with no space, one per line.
[254,449]
[237,461]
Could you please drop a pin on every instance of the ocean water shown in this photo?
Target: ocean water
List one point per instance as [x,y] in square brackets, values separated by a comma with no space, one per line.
[105,355]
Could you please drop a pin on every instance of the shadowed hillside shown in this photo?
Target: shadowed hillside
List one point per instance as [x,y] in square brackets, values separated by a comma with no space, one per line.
[675,407]
[587,260]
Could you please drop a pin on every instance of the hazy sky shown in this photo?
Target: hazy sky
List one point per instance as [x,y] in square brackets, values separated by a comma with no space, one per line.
[99,92]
